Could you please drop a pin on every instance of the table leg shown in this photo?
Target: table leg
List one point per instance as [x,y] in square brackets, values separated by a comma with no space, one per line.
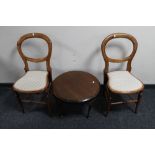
[90,106]
[89,109]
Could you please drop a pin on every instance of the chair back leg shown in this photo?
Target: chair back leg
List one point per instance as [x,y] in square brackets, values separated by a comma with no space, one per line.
[138,101]
[20,102]
[49,104]
[108,100]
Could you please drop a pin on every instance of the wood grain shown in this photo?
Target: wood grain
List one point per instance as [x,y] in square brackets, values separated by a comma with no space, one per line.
[76,86]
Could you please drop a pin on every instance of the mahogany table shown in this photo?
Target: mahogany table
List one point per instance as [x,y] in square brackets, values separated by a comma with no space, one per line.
[76,87]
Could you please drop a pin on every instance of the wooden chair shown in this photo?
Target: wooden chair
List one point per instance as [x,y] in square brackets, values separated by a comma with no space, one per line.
[121,82]
[34,82]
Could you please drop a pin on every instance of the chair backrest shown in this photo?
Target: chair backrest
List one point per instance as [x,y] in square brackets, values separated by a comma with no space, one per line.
[128,59]
[35,60]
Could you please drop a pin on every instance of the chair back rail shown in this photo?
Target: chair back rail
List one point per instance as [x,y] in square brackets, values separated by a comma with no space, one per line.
[108,59]
[35,60]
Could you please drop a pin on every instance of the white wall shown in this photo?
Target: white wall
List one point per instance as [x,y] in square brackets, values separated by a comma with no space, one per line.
[78,48]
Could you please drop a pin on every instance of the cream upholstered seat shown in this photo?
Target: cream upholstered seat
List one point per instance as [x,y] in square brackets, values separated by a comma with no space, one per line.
[32,81]
[123,82]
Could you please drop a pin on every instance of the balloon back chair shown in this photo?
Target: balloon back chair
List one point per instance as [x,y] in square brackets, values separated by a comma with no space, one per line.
[121,82]
[34,82]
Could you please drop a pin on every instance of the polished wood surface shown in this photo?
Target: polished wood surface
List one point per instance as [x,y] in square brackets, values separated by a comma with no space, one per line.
[76,86]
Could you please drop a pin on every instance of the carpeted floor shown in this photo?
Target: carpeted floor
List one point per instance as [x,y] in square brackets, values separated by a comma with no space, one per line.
[121,116]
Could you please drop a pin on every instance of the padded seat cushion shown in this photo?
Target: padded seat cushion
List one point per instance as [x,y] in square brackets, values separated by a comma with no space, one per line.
[32,81]
[124,82]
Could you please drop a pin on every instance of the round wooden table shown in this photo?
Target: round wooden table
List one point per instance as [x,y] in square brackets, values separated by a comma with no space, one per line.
[76,87]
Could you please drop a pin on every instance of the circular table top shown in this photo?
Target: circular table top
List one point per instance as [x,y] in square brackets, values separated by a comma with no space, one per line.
[76,86]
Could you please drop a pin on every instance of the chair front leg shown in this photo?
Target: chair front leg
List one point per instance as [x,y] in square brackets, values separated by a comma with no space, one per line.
[48,101]
[20,102]
[138,101]
[108,106]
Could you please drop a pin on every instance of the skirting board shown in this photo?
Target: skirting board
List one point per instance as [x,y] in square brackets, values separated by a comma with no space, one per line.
[146,86]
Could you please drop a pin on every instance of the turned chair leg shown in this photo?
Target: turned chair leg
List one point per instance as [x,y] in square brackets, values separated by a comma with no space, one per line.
[138,101]
[48,101]
[108,102]
[20,102]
